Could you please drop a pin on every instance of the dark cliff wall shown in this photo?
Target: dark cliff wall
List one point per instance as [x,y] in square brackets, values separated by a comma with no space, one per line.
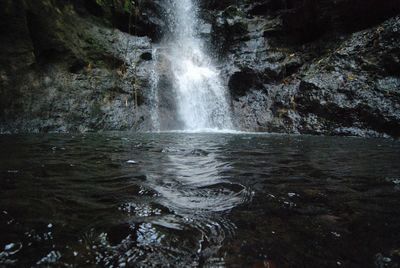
[319,67]
[293,66]
[64,69]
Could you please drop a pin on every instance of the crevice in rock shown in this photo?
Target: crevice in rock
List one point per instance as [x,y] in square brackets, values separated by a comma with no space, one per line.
[93,8]
[241,82]
[45,50]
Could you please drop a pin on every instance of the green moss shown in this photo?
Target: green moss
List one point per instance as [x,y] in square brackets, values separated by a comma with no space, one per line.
[125,5]
[95,110]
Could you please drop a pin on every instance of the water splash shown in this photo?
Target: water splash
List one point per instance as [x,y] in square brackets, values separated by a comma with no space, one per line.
[202,101]
[155,100]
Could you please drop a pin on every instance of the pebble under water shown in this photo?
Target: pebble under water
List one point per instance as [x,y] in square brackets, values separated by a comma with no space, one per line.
[213,200]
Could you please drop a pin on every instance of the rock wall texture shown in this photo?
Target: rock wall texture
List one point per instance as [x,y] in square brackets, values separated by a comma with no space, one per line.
[291,66]
[62,69]
[315,67]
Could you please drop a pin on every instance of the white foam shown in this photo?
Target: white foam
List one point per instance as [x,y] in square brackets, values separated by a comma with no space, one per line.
[201,99]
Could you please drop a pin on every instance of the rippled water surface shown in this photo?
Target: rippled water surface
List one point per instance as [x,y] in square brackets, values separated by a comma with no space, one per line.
[214,200]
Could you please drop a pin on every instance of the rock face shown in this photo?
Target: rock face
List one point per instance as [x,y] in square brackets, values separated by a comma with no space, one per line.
[304,66]
[64,70]
[315,67]
[354,89]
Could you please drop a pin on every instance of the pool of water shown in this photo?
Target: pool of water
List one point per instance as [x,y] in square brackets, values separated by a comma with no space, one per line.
[213,200]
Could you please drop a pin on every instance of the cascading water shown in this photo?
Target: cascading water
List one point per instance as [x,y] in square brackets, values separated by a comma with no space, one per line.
[155,100]
[201,98]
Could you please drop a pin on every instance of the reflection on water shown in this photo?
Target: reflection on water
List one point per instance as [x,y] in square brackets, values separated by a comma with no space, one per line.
[198,200]
[189,183]
[194,184]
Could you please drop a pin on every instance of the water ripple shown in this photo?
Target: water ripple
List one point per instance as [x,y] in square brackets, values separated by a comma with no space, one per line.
[193,199]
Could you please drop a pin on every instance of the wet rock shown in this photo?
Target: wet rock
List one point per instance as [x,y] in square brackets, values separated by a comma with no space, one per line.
[346,84]
[242,81]
[72,73]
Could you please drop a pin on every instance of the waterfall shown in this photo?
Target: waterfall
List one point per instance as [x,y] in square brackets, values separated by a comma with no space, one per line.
[155,100]
[201,98]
